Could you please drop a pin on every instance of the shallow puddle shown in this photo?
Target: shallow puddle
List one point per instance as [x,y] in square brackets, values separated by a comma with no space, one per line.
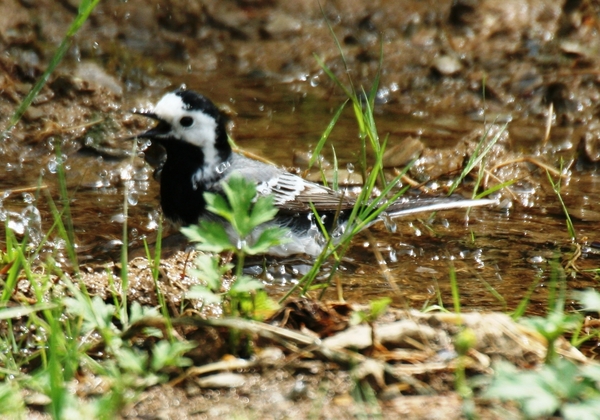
[499,255]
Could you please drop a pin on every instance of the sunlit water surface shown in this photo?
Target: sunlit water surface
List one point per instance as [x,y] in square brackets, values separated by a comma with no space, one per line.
[499,256]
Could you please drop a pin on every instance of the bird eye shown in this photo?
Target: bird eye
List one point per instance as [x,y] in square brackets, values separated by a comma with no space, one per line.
[186,121]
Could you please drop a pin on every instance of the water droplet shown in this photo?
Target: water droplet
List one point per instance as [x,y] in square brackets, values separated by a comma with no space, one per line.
[28,198]
[118,218]
[32,220]
[132,198]
[383,96]
[350,167]
[339,230]
[313,223]
[389,223]
[536,259]
[52,165]
[393,256]
[16,226]
[314,81]
[125,173]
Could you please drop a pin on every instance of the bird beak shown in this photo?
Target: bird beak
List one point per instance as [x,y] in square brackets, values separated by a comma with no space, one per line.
[148,114]
[161,129]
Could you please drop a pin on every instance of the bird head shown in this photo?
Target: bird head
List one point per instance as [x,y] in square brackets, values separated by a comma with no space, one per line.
[187,116]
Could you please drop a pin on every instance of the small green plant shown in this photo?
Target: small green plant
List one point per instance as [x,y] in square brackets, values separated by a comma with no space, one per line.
[557,322]
[376,309]
[590,302]
[244,211]
[562,387]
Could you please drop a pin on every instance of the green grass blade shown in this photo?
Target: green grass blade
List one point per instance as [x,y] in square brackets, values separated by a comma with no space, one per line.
[478,155]
[325,135]
[335,181]
[524,303]
[495,188]
[85,8]
[65,201]
[568,221]
[332,76]
[339,47]
[454,288]
[62,231]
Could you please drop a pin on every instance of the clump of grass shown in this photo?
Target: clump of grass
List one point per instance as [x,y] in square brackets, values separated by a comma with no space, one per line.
[368,205]
[63,320]
[64,317]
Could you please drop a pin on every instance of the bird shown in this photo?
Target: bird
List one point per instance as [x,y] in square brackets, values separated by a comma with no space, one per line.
[199,159]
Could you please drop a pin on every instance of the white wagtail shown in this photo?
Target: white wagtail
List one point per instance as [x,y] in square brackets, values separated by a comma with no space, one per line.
[199,159]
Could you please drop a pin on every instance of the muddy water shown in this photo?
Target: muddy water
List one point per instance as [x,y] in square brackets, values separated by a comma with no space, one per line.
[499,254]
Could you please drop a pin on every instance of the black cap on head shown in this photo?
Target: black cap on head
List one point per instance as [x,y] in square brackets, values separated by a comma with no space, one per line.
[195,101]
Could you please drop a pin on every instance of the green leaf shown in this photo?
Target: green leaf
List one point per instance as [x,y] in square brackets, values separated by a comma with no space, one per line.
[317,152]
[589,300]
[262,211]
[211,236]
[591,372]
[562,378]
[358,317]
[246,284]
[11,400]
[589,410]
[19,311]
[138,312]
[379,306]
[96,314]
[170,354]
[526,388]
[218,205]
[267,239]
[240,194]
[131,360]
[208,270]
[204,294]
[259,306]
[554,325]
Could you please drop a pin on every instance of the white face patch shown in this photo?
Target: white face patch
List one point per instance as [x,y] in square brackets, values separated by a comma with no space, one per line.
[202,132]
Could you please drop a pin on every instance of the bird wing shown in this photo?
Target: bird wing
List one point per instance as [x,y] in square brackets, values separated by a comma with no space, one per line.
[291,193]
